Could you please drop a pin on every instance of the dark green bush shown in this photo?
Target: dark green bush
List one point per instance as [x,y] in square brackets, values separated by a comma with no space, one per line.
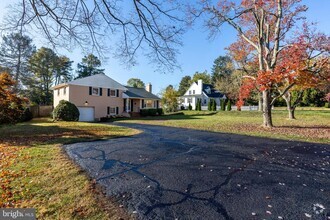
[144,112]
[182,107]
[189,107]
[66,111]
[26,115]
[151,112]
[106,119]
[229,105]
[160,111]
[198,105]
[209,105]
[214,105]
[223,104]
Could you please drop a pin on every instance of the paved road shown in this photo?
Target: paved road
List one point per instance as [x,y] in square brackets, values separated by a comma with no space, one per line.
[174,173]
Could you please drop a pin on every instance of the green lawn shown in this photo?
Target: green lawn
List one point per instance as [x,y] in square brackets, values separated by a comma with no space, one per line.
[310,125]
[36,173]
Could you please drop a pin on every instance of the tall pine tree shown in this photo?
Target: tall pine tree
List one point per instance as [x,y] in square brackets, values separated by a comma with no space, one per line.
[15,51]
[184,85]
[223,66]
[89,66]
[42,64]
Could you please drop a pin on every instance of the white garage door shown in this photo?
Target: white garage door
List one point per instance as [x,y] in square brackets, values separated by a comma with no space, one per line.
[86,113]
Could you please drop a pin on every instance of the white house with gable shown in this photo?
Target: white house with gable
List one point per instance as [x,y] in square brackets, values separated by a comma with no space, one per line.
[203,91]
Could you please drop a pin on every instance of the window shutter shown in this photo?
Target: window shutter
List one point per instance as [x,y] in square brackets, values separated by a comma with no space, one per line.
[90,90]
[108,110]
[117,93]
[142,103]
[100,91]
[117,110]
[108,92]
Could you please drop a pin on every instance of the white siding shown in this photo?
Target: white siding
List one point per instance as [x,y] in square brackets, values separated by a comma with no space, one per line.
[195,86]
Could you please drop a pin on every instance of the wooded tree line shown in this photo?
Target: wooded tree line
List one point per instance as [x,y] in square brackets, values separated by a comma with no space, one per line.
[35,71]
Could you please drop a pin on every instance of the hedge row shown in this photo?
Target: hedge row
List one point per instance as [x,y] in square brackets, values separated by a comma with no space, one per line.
[151,112]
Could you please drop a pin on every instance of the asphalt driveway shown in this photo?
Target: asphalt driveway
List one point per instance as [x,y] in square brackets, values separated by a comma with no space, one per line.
[174,173]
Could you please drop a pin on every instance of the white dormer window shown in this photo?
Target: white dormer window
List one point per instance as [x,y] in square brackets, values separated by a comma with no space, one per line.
[208,90]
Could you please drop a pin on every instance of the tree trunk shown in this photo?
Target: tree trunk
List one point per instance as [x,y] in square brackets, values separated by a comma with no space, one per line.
[18,67]
[291,113]
[267,109]
[260,102]
[289,106]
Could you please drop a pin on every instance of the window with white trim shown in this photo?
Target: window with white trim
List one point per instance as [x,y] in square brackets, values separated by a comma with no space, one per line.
[64,91]
[112,110]
[148,103]
[113,93]
[95,91]
[189,100]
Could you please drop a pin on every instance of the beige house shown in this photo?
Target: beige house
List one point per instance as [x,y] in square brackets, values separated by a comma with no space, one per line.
[136,99]
[100,96]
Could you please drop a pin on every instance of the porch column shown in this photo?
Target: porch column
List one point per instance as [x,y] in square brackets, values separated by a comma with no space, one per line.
[128,105]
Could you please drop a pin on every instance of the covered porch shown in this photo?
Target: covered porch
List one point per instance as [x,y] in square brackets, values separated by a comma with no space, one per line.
[132,106]
[136,99]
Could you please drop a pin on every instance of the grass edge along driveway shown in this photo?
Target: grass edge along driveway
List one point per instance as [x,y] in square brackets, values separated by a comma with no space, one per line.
[310,125]
[36,173]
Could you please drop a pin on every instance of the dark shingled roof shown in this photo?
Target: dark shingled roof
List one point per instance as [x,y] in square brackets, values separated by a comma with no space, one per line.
[141,93]
[211,92]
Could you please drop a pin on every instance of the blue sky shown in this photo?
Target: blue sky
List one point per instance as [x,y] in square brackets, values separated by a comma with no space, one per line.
[196,54]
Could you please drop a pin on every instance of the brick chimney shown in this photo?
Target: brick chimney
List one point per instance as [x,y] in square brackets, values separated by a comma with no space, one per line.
[149,87]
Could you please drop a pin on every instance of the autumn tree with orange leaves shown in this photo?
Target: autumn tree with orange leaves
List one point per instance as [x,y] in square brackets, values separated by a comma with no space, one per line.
[303,64]
[11,106]
[266,26]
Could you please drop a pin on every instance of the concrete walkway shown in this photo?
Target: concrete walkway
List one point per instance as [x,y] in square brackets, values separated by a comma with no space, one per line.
[174,173]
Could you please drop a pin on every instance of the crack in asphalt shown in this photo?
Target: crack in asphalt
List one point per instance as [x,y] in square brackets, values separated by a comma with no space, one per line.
[131,167]
[117,165]
[212,201]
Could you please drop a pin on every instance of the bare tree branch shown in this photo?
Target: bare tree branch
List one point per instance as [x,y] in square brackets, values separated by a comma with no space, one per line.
[133,26]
